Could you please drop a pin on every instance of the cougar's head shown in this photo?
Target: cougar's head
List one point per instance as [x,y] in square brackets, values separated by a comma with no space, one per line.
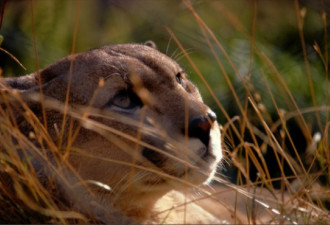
[146,128]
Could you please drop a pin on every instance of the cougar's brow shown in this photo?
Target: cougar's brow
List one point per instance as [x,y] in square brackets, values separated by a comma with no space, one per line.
[146,61]
[154,66]
[120,72]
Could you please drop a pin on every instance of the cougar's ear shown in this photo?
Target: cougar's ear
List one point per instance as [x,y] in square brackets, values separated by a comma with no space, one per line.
[31,80]
[150,44]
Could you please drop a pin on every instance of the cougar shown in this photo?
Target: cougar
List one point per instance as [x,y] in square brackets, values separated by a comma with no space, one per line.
[132,128]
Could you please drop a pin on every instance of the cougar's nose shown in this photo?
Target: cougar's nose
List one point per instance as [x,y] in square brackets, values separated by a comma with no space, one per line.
[199,127]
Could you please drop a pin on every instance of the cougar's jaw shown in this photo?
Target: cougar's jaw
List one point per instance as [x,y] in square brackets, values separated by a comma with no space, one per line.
[202,160]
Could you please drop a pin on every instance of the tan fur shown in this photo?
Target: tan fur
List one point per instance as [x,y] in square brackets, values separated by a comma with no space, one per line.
[168,104]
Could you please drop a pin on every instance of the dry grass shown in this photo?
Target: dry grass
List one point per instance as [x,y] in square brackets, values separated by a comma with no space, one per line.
[304,179]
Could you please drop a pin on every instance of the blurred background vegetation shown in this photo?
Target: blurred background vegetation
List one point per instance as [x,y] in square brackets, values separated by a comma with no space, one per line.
[239,25]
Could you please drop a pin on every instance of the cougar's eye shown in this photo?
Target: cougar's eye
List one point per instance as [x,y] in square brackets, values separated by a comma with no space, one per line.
[125,100]
[180,79]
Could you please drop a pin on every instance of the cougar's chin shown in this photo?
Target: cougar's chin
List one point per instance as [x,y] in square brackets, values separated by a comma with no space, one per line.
[207,165]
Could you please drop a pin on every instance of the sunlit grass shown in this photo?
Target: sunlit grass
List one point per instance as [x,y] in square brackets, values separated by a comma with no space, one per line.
[260,127]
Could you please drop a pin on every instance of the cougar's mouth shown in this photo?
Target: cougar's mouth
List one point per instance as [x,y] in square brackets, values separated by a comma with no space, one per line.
[162,162]
[154,157]
[175,168]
